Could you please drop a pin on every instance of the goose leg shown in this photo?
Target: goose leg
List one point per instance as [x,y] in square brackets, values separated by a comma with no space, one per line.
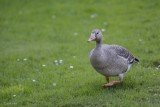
[108,84]
[112,83]
[107,79]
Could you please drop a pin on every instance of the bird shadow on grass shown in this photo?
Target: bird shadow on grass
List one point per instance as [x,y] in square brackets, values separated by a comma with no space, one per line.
[97,86]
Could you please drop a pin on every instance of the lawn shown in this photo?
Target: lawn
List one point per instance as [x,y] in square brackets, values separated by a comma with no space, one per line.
[44,54]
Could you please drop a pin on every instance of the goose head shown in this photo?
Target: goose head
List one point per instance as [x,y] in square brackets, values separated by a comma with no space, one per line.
[96,35]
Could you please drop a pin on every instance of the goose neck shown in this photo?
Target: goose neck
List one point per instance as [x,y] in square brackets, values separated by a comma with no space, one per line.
[98,44]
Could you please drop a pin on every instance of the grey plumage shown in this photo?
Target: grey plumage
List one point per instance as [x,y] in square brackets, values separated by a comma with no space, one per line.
[110,60]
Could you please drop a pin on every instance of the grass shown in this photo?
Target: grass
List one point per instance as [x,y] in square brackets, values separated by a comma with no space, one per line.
[33,34]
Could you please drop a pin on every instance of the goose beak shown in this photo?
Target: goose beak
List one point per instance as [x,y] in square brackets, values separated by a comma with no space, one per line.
[92,38]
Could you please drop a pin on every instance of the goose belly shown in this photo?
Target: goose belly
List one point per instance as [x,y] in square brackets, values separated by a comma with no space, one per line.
[110,69]
[104,70]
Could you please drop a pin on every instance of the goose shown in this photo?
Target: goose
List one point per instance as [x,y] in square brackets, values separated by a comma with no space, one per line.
[110,60]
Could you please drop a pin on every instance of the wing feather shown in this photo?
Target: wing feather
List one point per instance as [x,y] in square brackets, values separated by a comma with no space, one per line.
[123,52]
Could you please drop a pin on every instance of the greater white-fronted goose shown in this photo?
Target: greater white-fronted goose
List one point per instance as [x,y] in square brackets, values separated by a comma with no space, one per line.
[110,60]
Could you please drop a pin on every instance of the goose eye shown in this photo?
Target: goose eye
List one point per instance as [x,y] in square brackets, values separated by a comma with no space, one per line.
[97,32]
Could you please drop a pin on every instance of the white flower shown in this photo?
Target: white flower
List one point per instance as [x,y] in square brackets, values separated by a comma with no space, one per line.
[18,60]
[14,95]
[33,80]
[25,59]
[74,56]
[71,67]
[43,65]
[61,61]
[75,33]
[103,29]
[140,40]
[54,84]
[93,16]
[56,62]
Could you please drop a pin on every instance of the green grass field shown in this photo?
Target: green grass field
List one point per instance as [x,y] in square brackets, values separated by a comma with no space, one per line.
[35,34]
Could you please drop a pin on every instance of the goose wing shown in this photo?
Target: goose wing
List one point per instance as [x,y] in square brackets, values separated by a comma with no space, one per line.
[123,52]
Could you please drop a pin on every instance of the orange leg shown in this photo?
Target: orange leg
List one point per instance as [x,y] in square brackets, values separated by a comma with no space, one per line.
[112,83]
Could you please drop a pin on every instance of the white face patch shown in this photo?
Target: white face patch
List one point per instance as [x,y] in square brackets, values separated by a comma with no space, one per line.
[93,35]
